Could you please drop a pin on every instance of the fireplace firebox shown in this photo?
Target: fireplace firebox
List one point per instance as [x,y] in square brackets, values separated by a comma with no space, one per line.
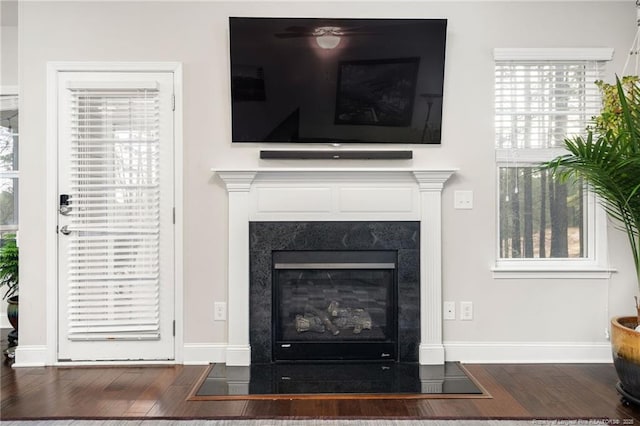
[335,305]
[334,240]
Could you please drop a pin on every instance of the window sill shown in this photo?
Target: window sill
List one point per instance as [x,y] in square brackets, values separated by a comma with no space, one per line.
[551,271]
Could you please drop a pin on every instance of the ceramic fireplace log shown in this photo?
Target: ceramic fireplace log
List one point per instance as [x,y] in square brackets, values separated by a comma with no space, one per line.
[323,317]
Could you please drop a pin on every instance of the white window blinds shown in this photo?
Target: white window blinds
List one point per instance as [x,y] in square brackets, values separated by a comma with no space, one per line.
[114,219]
[539,103]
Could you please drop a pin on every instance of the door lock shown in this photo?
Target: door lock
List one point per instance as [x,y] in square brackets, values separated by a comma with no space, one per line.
[64,207]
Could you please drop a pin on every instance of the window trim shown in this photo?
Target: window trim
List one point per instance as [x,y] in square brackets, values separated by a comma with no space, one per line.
[596,264]
[553,54]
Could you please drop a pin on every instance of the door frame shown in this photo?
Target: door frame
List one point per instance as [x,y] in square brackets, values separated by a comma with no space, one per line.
[51,204]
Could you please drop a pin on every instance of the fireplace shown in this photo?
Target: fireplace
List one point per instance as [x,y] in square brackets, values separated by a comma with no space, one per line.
[334,305]
[280,200]
[300,268]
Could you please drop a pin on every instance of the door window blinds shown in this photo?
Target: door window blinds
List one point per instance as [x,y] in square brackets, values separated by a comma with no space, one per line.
[115,209]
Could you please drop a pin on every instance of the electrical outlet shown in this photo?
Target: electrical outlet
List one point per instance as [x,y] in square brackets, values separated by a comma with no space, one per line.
[449,310]
[219,311]
[466,311]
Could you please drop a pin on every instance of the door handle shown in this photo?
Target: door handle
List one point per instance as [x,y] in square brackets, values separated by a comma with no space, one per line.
[65,230]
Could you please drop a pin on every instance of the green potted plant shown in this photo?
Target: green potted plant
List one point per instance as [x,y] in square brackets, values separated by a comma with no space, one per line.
[9,279]
[608,159]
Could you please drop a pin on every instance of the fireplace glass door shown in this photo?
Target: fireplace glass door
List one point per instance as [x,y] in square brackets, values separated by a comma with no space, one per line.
[335,305]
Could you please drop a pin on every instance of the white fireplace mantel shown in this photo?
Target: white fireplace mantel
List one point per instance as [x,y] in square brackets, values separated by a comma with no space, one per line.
[333,193]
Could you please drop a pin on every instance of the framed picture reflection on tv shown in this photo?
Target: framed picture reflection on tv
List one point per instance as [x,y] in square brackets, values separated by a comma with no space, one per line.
[376,92]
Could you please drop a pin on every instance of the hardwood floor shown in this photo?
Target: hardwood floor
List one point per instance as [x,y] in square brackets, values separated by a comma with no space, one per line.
[521,391]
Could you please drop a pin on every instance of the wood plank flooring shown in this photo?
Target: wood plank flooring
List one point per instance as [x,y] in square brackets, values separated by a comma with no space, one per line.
[522,391]
[519,391]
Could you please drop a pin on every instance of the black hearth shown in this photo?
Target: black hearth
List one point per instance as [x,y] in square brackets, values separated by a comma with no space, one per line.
[334,305]
[293,380]
[402,298]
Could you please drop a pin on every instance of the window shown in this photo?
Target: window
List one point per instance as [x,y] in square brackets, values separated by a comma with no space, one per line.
[540,218]
[8,165]
[542,96]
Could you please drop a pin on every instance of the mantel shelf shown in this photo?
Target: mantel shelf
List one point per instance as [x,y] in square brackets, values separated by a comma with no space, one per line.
[331,169]
[241,178]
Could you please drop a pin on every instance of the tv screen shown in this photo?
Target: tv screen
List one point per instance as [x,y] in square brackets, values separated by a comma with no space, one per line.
[337,80]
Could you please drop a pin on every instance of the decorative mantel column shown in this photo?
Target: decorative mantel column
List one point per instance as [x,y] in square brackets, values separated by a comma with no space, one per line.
[330,194]
[431,184]
[238,185]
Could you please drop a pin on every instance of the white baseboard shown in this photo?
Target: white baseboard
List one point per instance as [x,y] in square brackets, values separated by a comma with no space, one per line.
[469,352]
[204,353]
[194,354]
[30,356]
[528,352]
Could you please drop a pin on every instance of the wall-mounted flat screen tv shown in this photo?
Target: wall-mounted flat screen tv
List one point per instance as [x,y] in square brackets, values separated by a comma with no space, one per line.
[337,81]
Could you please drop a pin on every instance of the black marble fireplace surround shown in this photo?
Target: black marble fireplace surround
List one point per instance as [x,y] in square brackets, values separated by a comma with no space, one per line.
[267,237]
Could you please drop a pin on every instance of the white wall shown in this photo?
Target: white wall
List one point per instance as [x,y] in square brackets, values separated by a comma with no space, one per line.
[8,43]
[540,312]
[9,55]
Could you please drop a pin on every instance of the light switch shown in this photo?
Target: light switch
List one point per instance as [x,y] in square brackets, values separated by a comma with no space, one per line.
[463,199]
[466,311]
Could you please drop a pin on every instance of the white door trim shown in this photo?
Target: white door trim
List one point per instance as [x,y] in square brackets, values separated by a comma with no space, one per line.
[53,69]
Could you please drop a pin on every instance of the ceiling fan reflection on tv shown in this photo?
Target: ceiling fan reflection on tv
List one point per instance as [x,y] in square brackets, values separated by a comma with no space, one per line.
[327,36]
[303,31]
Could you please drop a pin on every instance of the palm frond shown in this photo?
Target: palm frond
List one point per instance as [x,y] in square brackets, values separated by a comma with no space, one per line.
[608,159]
[630,115]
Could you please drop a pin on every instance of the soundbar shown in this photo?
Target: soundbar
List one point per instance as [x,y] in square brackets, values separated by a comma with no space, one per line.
[336,155]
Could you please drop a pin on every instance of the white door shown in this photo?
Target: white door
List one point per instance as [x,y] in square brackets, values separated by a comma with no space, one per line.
[115,224]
